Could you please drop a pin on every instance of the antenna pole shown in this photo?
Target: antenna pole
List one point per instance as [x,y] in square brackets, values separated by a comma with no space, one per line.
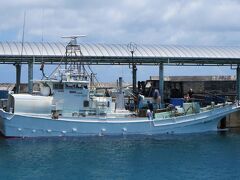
[18,65]
[132,47]
[23,33]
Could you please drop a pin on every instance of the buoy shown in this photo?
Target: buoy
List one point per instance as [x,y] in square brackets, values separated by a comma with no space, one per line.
[19,129]
[33,130]
[124,129]
[102,131]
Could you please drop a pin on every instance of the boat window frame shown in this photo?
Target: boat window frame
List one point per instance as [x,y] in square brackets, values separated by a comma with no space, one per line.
[58,86]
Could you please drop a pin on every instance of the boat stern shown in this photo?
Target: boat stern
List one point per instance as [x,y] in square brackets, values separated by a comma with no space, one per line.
[4,116]
[2,126]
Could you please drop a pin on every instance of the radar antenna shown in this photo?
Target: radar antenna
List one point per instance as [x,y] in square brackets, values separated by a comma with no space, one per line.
[73,48]
[73,39]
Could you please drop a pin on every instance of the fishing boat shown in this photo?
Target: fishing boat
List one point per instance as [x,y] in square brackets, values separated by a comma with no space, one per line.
[67,104]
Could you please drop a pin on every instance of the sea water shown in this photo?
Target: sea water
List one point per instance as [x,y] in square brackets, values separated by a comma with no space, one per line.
[190,156]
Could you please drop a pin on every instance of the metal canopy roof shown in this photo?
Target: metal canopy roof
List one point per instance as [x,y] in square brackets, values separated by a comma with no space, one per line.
[12,52]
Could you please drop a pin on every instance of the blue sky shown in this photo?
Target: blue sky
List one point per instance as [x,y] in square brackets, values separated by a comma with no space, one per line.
[184,22]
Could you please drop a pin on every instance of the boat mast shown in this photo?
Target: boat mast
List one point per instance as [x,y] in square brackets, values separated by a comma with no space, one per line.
[73,50]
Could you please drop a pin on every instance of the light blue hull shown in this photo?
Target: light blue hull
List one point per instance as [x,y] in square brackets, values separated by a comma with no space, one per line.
[15,125]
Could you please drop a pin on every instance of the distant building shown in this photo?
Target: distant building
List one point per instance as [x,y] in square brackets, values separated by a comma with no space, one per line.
[178,86]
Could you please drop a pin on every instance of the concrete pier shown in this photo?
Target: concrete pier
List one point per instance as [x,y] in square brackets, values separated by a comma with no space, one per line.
[161,82]
[238,82]
[18,78]
[233,120]
[30,76]
[134,77]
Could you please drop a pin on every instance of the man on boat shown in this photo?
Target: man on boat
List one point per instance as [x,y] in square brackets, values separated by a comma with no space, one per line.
[156,99]
[140,101]
[149,114]
[190,93]
[150,106]
[107,93]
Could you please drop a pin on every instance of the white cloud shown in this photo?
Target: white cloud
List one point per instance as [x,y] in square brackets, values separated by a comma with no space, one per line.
[145,21]
[198,22]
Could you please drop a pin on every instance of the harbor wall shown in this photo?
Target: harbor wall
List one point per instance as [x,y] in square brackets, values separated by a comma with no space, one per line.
[178,86]
[233,120]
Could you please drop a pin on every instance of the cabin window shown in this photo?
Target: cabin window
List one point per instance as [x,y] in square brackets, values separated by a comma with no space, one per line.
[79,86]
[74,86]
[85,103]
[58,86]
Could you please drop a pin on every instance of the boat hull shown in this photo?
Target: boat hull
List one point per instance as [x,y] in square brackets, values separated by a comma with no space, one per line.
[16,125]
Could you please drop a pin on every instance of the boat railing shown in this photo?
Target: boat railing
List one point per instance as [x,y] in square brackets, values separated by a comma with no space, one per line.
[191,109]
[218,110]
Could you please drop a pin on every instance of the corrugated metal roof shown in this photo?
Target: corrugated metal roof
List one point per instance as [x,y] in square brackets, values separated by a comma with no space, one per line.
[31,49]
[107,52]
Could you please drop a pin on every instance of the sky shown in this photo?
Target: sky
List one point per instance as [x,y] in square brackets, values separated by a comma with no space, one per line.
[175,22]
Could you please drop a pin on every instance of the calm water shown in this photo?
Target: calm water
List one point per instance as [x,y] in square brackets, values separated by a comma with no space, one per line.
[198,156]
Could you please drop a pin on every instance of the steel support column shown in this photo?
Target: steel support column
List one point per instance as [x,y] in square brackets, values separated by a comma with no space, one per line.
[30,76]
[18,78]
[134,78]
[161,82]
[238,82]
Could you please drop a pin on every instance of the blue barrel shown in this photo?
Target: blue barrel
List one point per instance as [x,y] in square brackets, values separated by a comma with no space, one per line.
[3,94]
[208,99]
[177,101]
